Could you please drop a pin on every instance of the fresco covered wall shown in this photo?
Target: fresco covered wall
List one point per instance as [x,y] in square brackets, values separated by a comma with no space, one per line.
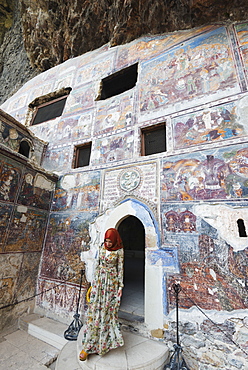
[25,198]
[195,82]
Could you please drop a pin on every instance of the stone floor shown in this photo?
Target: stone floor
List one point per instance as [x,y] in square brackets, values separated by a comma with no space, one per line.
[22,351]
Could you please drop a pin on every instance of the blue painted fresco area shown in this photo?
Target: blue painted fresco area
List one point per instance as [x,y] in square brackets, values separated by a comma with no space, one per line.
[196,68]
[165,257]
[218,174]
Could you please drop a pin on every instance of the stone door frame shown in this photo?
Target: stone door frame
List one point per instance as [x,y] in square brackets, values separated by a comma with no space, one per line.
[153,289]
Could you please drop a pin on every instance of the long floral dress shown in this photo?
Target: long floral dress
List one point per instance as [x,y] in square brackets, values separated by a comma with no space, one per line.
[101,332]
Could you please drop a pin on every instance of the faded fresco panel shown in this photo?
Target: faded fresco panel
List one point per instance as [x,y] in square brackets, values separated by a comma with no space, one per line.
[147,47]
[58,158]
[36,190]
[96,70]
[67,237]
[10,176]
[10,137]
[242,33]
[79,191]
[81,99]
[81,129]
[10,268]
[215,277]
[66,130]
[27,278]
[206,175]
[113,148]
[202,65]
[27,230]
[114,114]
[60,299]
[5,213]
[212,124]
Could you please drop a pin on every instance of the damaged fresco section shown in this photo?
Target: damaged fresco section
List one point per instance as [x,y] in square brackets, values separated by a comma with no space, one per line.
[214,277]
[210,125]
[25,197]
[79,191]
[114,148]
[197,68]
[68,235]
[222,174]
[75,206]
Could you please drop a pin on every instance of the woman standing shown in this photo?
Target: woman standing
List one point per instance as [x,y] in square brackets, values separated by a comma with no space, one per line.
[101,332]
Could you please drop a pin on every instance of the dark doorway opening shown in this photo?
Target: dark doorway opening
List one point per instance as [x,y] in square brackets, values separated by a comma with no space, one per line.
[132,233]
[24,148]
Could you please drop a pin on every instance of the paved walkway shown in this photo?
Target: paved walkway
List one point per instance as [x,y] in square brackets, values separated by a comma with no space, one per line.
[21,351]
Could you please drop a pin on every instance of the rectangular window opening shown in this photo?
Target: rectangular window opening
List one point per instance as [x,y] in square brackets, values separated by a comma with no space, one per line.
[82,155]
[153,139]
[119,82]
[49,110]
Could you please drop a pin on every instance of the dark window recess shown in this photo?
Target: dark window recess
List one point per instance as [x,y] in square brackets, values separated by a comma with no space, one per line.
[154,140]
[241,227]
[49,111]
[82,155]
[24,148]
[119,82]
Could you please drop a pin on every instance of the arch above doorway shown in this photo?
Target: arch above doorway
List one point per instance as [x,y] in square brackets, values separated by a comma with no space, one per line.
[153,287]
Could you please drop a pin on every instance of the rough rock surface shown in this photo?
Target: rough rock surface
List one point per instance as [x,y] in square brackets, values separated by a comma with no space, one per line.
[47,32]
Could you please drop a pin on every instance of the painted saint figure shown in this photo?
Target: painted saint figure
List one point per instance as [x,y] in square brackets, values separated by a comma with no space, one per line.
[101,332]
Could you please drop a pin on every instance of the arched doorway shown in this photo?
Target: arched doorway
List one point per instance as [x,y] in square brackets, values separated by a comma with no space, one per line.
[132,233]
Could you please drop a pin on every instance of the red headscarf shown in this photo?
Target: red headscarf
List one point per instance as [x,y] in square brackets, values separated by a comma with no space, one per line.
[115,238]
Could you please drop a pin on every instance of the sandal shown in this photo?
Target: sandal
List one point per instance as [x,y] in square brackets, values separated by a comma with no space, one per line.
[83,355]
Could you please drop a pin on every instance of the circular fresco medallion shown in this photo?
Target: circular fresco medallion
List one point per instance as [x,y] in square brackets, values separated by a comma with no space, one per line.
[129,180]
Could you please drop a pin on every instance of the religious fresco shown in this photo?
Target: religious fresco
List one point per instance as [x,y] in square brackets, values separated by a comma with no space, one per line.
[57,158]
[200,66]
[113,148]
[10,175]
[5,214]
[184,221]
[79,191]
[242,34]
[36,190]
[114,114]
[215,278]
[61,299]
[147,47]
[10,267]
[96,70]
[81,99]
[27,277]
[10,137]
[67,237]
[222,174]
[212,274]
[27,230]
[208,125]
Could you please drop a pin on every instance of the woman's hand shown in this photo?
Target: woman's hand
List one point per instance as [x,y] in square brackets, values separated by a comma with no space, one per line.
[119,292]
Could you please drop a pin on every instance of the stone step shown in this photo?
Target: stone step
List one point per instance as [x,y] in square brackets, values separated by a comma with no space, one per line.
[138,353]
[45,329]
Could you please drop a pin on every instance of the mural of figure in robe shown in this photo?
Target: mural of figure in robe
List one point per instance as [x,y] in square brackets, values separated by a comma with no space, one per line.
[101,332]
